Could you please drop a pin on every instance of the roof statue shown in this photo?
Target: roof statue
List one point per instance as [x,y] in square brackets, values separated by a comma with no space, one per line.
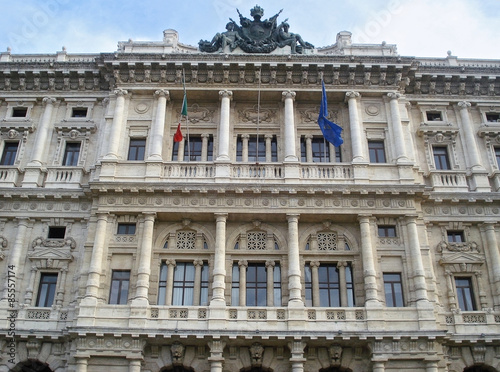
[255,36]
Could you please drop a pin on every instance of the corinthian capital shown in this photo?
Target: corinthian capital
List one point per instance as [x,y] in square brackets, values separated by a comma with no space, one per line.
[350,95]
[48,100]
[464,105]
[288,94]
[394,95]
[225,94]
[120,92]
[162,93]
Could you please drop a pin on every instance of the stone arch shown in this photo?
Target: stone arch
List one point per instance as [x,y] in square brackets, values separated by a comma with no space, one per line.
[163,236]
[256,369]
[335,369]
[234,235]
[177,368]
[340,230]
[31,365]
[480,367]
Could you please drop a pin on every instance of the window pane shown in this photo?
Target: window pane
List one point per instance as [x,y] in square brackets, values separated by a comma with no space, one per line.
[46,290]
[119,287]
[277,285]
[329,286]
[393,290]
[183,286]
[235,289]
[441,158]
[192,150]
[204,285]
[256,290]
[376,151]
[465,294]
[320,150]
[9,153]
[71,154]
[136,150]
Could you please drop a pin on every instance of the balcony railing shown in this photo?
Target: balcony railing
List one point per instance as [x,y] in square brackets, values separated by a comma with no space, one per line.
[449,181]
[64,177]
[8,177]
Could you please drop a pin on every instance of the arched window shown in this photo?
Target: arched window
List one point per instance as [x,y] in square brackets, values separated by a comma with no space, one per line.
[480,368]
[31,366]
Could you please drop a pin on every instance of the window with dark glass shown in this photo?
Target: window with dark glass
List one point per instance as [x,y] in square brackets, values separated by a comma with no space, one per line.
[235,286]
[79,112]
[434,116]
[9,153]
[256,291]
[19,112]
[377,151]
[320,150]
[56,232]
[193,148]
[393,290]
[183,286]
[120,282]
[497,156]
[126,229]
[162,285]
[277,285]
[465,294]
[256,149]
[386,231]
[455,236]
[136,149]
[441,158]
[71,154]
[329,286]
[492,117]
[46,290]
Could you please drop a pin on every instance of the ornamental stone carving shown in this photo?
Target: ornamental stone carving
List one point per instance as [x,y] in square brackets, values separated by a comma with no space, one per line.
[254,115]
[54,243]
[256,353]
[177,350]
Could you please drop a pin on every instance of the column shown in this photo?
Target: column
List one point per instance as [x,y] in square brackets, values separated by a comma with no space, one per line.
[219,279]
[244,147]
[216,357]
[370,275]
[28,297]
[170,281]
[288,98]
[342,283]
[270,282]
[269,147]
[144,270]
[204,146]
[297,359]
[472,152]
[309,152]
[355,126]
[134,365]
[158,126]
[61,281]
[42,138]
[198,265]
[451,289]
[494,259]
[431,367]
[397,128]
[294,271]
[117,125]
[97,258]
[225,107]
[15,254]
[316,300]
[378,366]
[242,266]
[81,364]
[416,259]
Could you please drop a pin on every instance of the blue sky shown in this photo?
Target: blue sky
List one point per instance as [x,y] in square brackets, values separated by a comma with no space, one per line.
[423,28]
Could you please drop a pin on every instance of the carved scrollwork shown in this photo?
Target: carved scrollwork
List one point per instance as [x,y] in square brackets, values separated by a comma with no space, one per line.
[252,115]
[54,243]
[458,247]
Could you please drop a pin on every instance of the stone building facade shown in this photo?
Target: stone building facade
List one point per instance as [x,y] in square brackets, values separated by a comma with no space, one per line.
[252,244]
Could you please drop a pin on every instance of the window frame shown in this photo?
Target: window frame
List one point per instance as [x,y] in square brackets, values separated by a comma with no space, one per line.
[392,299]
[126,228]
[439,157]
[47,289]
[136,149]
[69,154]
[462,303]
[385,230]
[121,296]
[8,154]
[376,151]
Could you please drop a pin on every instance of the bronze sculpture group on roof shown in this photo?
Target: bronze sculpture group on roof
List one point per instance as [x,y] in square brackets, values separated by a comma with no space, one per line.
[255,36]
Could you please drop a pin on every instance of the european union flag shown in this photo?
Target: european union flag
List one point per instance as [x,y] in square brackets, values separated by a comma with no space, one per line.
[331,131]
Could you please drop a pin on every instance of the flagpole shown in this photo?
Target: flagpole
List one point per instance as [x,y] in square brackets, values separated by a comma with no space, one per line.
[186,116]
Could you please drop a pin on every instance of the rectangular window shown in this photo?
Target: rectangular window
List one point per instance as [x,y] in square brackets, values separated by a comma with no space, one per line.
[56,232]
[492,117]
[71,154]
[162,286]
[46,290]
[256,143]
[235,286]
[465,294]
[256,285]
[441,159]
[393,290]
[308,285]
[387,231]
[204,285]
[19,112]
[126,229]
[193,148]
[183,286]
[79,112]
[136,149]
[455,236]
[329,286]
[320,150]
[9,153]
[277,284]
[377,151]
[434,116]
[497,156]
[120,281]
[349,281]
